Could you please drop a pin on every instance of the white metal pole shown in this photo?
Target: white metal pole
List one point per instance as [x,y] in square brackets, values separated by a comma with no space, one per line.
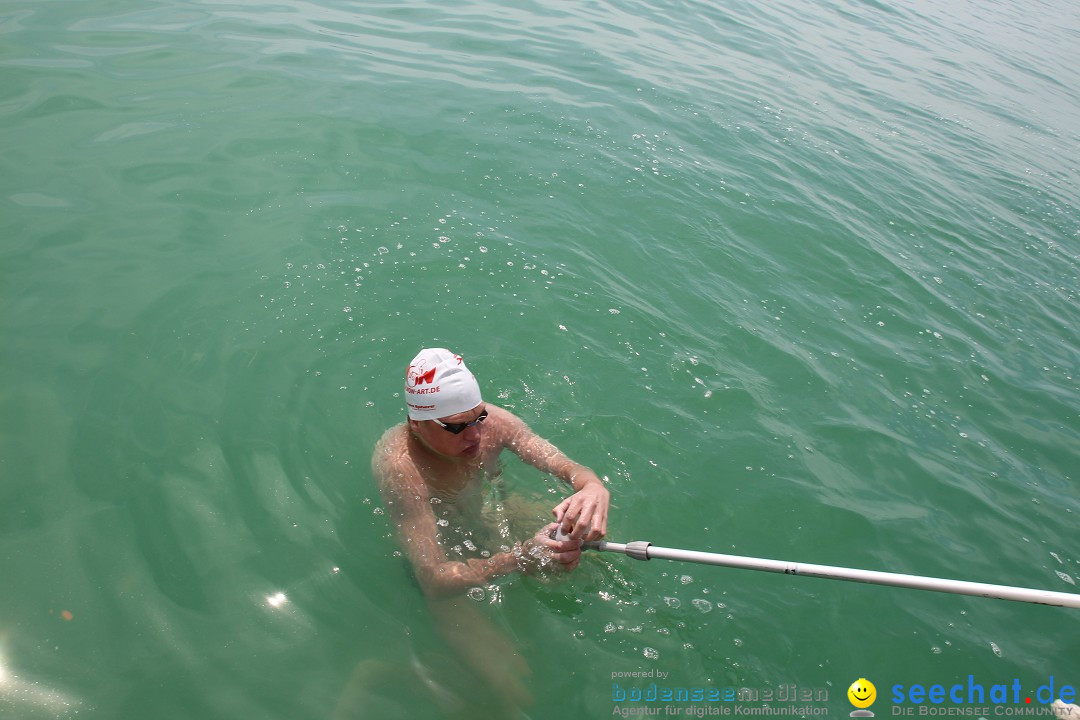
[641,550]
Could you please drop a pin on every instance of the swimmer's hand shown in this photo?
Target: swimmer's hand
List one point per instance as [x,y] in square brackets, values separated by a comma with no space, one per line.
[583,515]
[543,550]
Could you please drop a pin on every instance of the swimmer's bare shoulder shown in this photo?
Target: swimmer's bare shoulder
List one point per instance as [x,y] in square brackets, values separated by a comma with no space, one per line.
[400,482]
[391,459]
[507,430]
[513,433]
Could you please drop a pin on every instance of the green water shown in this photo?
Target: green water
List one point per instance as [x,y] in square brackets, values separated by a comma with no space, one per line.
[800,279]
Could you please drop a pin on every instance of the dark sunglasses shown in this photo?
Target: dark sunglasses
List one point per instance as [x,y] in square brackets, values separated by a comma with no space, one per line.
[457,428]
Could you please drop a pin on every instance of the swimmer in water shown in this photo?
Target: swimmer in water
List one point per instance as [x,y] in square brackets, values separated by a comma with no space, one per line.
[450,443]
[431,471]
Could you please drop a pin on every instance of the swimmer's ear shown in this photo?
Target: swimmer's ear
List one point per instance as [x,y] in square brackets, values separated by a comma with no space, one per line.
[414,425]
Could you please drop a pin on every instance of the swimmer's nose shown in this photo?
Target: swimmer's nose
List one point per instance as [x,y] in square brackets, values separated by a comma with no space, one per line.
[472,433]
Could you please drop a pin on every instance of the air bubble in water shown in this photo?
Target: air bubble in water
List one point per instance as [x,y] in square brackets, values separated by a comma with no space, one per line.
[651,653]
[702,605]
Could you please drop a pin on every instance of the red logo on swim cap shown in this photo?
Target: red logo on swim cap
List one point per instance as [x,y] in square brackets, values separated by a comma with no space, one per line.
[415,377]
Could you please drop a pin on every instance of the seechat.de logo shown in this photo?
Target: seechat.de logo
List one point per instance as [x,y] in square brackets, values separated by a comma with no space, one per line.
[862,695]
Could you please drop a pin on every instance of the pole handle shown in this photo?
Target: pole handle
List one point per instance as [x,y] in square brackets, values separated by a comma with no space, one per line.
[638,549]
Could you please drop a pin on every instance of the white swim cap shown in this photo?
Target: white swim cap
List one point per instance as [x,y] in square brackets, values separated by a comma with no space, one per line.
[437,385]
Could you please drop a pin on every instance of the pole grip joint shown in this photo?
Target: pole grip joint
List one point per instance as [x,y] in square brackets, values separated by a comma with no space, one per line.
[639,549]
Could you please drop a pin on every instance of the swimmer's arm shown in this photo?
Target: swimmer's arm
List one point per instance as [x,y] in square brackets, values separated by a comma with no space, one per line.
[588,506]
[518,437]
[408,504]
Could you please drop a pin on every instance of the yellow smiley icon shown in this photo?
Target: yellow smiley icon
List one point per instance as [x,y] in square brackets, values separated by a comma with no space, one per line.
[862,693]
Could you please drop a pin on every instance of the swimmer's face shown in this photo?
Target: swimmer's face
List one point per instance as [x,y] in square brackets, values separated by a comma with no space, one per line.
[465,444]
[862,693]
